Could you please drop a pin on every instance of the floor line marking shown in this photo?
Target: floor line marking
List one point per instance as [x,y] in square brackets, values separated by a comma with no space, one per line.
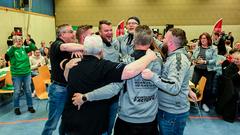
[23,121]
[44,119]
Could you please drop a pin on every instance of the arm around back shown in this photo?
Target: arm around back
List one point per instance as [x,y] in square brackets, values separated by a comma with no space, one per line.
[136,67]
[71,47]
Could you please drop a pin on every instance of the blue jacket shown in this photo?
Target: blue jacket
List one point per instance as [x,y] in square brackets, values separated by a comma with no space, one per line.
[211,57]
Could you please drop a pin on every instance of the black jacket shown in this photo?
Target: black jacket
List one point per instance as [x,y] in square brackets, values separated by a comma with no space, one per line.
[228,93]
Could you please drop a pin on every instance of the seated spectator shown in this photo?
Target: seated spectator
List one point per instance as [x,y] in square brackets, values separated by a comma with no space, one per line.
[228,46]
[160,37]
[9,40]
[43,45]
[37,60]
[2,62]
[46,57]
[29,39]
[237,45]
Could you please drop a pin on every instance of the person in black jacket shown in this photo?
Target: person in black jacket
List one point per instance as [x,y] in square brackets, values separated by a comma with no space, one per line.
[229,92]
[30,39]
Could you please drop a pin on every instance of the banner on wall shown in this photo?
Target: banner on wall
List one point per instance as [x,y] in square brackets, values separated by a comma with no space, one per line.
[218,26]
[120,28]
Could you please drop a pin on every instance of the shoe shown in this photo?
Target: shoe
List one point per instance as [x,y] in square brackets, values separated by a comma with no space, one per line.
[17,111]
[205,108]
[34,94]
[31,110]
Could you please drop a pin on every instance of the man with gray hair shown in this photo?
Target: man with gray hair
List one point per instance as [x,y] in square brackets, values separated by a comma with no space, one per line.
[137,96]
[62,48]
[89,74]
[173,84]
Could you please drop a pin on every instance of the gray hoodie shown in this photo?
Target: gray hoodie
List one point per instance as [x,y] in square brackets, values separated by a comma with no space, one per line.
[174,83]
[138,102]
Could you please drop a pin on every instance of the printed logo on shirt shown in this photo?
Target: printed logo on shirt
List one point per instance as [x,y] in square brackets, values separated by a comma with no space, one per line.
[144,98]
[116,47]
[139,83]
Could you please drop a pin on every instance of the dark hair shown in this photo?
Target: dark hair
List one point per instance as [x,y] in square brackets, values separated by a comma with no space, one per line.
[209,39]
[217,34]
[180,34]
[228,42]
[101,22]
[234,50]
[81,29]
[134,18]
[97,33]
[221,47]
[44,54]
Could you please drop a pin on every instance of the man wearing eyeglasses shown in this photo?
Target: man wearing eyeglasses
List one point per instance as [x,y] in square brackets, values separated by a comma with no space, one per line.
[62,48]
[126,41]
[20,71]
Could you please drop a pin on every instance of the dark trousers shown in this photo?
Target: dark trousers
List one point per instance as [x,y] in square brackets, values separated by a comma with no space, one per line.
[126,128]
[208,93]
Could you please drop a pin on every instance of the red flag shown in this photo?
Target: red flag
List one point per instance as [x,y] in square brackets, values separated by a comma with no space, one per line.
[120,29]
[218,26]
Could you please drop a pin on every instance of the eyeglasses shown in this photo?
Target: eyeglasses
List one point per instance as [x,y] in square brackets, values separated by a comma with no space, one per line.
[134,23]
[69,31]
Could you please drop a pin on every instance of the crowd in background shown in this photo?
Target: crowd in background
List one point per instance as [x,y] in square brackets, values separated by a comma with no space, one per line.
[214,55]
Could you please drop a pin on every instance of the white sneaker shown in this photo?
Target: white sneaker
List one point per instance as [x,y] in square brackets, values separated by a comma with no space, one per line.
[34,94]
[205,108]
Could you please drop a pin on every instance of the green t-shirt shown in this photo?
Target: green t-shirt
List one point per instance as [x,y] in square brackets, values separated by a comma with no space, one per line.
[19,59]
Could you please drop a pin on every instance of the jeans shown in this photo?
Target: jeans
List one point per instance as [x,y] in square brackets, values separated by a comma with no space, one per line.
[18,82]
[112,116]
[172,124]
[57,97]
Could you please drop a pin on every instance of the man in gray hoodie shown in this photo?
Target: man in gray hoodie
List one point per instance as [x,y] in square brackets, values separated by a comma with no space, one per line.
[138,102]
[89,74]
[173,84]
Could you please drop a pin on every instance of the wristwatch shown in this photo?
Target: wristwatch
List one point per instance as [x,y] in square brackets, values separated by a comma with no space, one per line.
[84,98]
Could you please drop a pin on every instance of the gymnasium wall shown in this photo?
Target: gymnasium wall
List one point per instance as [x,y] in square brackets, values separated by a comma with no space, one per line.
[151,12]
[194,16]
[38,6]
[41,27]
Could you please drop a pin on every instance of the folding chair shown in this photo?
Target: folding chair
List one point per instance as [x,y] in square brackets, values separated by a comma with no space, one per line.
[200,87]
[8,81]
[44,73]
[40,87]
